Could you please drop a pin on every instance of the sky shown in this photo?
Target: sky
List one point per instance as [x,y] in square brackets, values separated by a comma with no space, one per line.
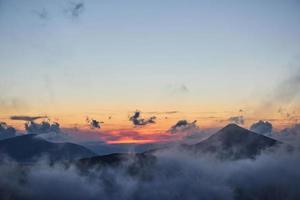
[207,60]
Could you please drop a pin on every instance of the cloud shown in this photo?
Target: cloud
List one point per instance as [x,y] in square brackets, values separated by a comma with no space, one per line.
[183,88]
[289,135]
[41,14]
[237,120]
[285,95]
[172,175]
[292,131]
[27,118]
[75,9]
[162,113]
[198,135]
[43,127]
[94,124]
[178,89]
[262,127]
[6,131]
[183,126]
[289,89]
[138,121]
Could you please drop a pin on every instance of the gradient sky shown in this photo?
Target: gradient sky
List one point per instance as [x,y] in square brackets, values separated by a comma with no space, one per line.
[205,59]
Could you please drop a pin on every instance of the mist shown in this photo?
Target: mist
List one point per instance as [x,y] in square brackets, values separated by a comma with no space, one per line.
[173,175]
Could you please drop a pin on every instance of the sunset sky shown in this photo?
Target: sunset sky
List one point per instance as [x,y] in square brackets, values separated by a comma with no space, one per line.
[206,60]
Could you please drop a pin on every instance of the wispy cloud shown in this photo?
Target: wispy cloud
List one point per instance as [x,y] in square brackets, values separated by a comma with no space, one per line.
[27,118]
[237,120]
[75,9]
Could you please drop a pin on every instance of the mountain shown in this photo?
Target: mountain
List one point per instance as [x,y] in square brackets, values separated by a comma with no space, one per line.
[116,158]
[234,142]
[136,164]
[102,148]
[29,148]
[231,142]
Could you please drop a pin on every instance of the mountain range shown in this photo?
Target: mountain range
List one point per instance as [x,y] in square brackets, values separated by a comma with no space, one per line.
[231,142]
[30,148]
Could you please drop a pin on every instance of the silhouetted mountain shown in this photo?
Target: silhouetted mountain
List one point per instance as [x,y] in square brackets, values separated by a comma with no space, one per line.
[231,142]
[138,164]
[102,148]
[116,159]
[234,142]
[29,148]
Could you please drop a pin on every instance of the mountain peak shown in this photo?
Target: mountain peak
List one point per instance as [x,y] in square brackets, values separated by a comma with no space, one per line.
[235,142]
[232,125]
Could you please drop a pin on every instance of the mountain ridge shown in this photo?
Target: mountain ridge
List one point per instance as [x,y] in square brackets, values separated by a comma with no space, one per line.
[29,148]
[231,142]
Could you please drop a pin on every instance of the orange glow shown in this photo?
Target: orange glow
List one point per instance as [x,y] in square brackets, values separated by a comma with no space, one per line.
[131,141]
[118,129]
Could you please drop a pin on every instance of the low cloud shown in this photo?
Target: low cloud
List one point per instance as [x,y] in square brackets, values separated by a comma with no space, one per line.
[172,175]
[262,127]
[6,131]
[292,131]
[138,121]
[289,135]
[237,120]
[43,127]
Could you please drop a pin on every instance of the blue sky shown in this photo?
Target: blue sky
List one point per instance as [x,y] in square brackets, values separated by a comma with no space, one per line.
[140,54]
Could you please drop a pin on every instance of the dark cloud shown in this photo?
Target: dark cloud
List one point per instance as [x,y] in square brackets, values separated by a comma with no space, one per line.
[183,126]
[75,9]
[43,127]
[262,127]
[6,131]
[94,124]
[27,118]
[237,120]
[138,121]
